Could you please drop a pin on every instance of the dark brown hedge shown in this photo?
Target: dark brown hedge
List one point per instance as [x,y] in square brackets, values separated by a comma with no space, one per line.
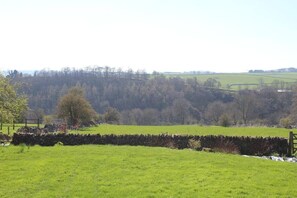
[246,145]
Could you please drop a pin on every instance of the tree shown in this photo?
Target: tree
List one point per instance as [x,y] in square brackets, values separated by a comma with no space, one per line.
[214,111]
[293,109]
[11,105]
[245,102]
[74,108]
[112,115]
[181,110]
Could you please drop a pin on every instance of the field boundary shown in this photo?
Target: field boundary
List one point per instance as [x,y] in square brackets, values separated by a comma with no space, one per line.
[232,144]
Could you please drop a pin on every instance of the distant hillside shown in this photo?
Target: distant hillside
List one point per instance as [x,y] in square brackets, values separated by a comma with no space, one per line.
[236,81]
[156,99]
[290,69]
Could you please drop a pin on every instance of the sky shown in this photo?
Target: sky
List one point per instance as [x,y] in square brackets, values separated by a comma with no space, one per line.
[150,35]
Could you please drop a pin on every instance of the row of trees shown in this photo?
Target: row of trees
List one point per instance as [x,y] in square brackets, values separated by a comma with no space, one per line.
[139,98]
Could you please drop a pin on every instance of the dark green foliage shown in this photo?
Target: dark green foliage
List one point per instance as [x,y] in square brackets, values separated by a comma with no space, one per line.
[243,145]
[112,115]
[75,109]
[224,120]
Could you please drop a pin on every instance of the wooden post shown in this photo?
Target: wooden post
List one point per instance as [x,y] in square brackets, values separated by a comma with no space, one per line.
[38,123]
[291,146]
[13,127]
[8,130]
[25,122]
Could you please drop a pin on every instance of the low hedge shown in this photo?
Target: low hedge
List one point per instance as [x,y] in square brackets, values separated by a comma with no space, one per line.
[243,145]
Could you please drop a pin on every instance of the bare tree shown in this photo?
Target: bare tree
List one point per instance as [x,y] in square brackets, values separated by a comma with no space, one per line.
[214,111]
[245,102]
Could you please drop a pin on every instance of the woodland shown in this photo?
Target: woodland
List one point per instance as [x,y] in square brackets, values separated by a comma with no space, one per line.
[154,99]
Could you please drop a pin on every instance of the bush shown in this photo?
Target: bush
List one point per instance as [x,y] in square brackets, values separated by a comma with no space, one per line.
[224,120]
[286,122]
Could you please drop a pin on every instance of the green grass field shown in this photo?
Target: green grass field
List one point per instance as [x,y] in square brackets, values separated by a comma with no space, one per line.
[126,171]
[178,129]
[186,129]
[243,78]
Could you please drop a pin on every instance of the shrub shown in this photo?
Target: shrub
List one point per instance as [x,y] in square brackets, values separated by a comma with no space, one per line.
[224,120]
[286,122]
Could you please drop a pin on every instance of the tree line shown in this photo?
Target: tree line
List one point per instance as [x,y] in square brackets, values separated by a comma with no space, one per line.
[154,99]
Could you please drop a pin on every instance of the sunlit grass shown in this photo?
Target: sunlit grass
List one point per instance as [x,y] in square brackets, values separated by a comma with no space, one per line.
[186,129]
[126,171]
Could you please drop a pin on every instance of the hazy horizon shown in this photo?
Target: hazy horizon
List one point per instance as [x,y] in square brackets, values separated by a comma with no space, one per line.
[165,36]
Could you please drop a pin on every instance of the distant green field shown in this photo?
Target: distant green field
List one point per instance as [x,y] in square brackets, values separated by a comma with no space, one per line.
[186,129]
[126,171]
[243,78]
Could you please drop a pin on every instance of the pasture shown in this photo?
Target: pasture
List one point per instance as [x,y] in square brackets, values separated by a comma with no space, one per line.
[243,78]
[126,171]
[174,129]
[186,129]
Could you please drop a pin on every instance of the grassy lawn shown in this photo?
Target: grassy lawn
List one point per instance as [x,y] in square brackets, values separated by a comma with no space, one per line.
[187,129]
[123,171]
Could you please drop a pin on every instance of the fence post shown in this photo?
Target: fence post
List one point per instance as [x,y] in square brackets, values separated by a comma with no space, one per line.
[25,122]
[8,130]
[13,125]
[38,123]
[291,146]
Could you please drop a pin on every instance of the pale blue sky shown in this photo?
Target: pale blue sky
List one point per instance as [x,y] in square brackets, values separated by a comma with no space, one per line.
[163,35]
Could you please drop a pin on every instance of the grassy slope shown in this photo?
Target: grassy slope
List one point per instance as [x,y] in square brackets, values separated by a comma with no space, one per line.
[123,171]
[243,78]
[187,129]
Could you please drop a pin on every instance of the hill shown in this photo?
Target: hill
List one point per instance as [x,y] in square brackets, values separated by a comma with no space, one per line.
[237,81]
[156,99]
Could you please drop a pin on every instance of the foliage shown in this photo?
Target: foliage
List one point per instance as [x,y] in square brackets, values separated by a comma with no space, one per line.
[286,122]
[159,100]
[112,115]
[125,171]
[11,104]
[74,108]
[48,119]
[224,120]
